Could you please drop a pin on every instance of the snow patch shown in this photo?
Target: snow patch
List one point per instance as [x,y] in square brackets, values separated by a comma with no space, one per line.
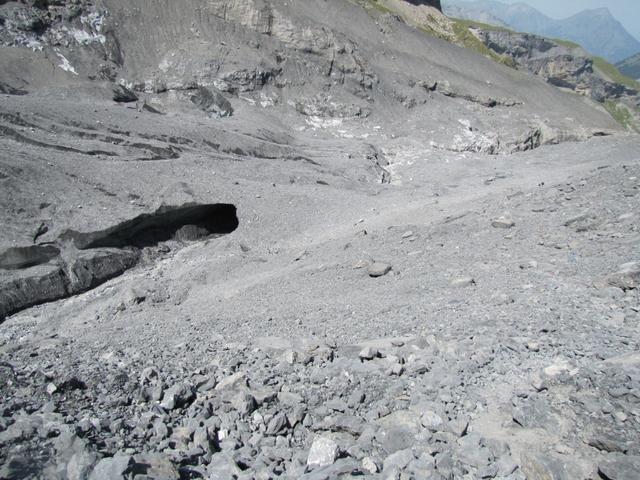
[65,65]
[320,122]
[86,38]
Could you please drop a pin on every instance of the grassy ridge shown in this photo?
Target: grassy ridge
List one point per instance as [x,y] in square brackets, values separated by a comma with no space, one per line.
[623,115]
[614,74]
[466,38]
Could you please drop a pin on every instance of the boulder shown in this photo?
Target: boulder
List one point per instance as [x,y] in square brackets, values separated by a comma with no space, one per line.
[323,453]
[213,102]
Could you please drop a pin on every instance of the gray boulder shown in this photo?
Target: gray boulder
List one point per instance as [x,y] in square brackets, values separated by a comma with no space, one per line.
[213,102]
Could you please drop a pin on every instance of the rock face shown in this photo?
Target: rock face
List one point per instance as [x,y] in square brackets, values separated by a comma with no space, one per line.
[37,274]
[429,3]
[563,66]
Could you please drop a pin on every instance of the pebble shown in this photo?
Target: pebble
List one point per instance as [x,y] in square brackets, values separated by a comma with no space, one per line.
[463,282]
[503,222]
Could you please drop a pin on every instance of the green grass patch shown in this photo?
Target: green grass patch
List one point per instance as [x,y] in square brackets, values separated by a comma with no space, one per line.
[623,115]
[614,74]
[381,8]
[467,39]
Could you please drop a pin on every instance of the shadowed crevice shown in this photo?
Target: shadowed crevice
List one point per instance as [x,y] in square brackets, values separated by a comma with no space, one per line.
[190,222]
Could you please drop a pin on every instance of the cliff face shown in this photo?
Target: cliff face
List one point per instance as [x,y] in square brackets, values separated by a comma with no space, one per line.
[430,3]
[565,66]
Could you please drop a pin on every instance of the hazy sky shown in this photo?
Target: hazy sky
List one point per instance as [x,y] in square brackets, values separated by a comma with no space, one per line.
[625,11]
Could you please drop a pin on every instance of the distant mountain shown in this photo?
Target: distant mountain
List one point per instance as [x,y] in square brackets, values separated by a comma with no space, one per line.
[477,15]
[596,30]
[630,66]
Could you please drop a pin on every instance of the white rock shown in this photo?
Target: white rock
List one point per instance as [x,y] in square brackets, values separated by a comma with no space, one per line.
[323,453]
[369,465]
[463,282]
[379,270]
[369,353]
[233,381]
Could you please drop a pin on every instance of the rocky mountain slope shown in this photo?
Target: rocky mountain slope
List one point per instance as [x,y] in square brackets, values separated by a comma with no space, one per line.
[309,240]
[567,66]
[630,66]
[561,63]
[596,30]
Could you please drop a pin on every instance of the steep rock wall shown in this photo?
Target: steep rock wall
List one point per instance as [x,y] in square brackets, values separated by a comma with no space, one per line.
[430,3]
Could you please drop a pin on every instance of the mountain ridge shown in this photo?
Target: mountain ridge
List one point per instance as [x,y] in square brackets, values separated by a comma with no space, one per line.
[597,30]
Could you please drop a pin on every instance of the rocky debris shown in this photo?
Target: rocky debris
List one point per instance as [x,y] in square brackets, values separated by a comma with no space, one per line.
[212,101]
[221,362]
[264,423]
[41,273]
[376,269]
[562,65]
[513,396]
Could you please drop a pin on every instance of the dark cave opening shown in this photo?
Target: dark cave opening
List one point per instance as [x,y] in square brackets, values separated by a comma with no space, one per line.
[185,223]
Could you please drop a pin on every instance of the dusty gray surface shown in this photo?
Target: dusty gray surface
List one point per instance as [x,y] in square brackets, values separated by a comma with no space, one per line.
[320,285]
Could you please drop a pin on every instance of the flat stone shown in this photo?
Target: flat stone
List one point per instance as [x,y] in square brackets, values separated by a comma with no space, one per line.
[398,460]
[627,277]
[463,282]
[503,222]
[576,219]
[396,438]
[620,467]
[547,467]
[233,381]
[114,468]
[155,466]
[536,414]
